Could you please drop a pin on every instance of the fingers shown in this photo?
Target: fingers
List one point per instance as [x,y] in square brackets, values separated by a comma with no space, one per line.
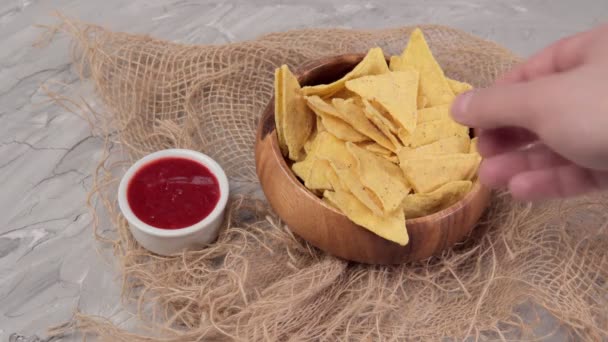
[563,55]
[497,171]
[496,141]
[558,182]
[515,105]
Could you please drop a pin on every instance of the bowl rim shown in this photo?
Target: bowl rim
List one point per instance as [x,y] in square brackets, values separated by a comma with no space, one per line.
[300,72]
[201,158]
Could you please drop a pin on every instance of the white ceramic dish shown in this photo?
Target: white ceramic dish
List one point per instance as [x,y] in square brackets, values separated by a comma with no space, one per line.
[172,241]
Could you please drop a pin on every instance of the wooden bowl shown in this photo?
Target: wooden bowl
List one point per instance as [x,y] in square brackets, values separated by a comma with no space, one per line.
[330,230]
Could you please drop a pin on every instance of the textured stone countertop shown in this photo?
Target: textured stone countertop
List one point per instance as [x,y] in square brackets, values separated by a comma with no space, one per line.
[50,264]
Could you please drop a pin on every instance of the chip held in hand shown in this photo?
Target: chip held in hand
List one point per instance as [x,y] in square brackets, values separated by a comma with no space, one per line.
[379,144]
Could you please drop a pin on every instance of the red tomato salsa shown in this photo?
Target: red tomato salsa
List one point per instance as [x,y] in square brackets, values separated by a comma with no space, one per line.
[173,193]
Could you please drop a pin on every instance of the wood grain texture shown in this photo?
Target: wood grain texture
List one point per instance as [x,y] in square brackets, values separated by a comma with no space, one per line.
[327,228]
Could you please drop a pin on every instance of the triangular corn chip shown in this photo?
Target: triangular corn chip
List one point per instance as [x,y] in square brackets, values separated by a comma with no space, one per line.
[278,110]
[382,177]
[433,83]
[341,129]
[395,92]
[431,131]
[455,144]
[473,146]
[333,121]
[426,174]
[390,227]
[381,123]
[434,113]
[375,148]
[374,63]
[296,118]
[418,205]
[459,87]
[355,116]
[317,179]
[334,150]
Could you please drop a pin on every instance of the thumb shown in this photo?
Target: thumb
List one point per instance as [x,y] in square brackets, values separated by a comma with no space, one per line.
[515,105]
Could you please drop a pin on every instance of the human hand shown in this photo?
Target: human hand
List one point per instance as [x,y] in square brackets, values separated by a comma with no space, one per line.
[544,125]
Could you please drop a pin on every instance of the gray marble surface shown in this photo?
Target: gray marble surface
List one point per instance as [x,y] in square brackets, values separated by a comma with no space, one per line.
[50,264]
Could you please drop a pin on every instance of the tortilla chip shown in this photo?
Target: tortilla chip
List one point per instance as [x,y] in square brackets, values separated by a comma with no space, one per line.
[375,148]
[320,127]
[382,177]
[303,168]
[382,124]
[397,64]
[426,174]
[459,87]
[354,114]
[373,64]
[422,101]
[431,131]
[390,227]
[473,146]
[434,113]
[395,92]
[335,181]
[341,129]
[278,110]
[322,107]
[343,94]
[418,205]
[392,158]
[455,144]
[332,120]
[344,164]
[433,83]
[296,118]
[317,179]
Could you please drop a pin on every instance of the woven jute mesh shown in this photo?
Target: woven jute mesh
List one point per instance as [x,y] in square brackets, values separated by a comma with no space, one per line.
[259,281]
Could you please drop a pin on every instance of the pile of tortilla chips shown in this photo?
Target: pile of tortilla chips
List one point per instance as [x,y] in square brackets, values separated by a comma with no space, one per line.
[379,144]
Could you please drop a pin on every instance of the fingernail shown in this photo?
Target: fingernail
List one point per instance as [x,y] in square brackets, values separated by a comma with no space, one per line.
[460,107]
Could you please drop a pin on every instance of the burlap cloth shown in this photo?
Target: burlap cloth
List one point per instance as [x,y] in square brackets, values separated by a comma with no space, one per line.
[258,281]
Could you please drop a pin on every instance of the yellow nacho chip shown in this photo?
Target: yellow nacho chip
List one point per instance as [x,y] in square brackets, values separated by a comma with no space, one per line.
[352,113]
[303,168]
[278,110]
[392,158]
[317,180]
[343,94]
[434,113]
[344,164]
[312,170]
[332,120]
[473,146]
[459,87]
[426,174]
[396,92]
[297,120]
[433,83]
[380,176]
[373,64]
[335,181]
[382,123]
[391,227]
[418,205]
[422,102]
[375,148]
[454,144]
[431,131]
